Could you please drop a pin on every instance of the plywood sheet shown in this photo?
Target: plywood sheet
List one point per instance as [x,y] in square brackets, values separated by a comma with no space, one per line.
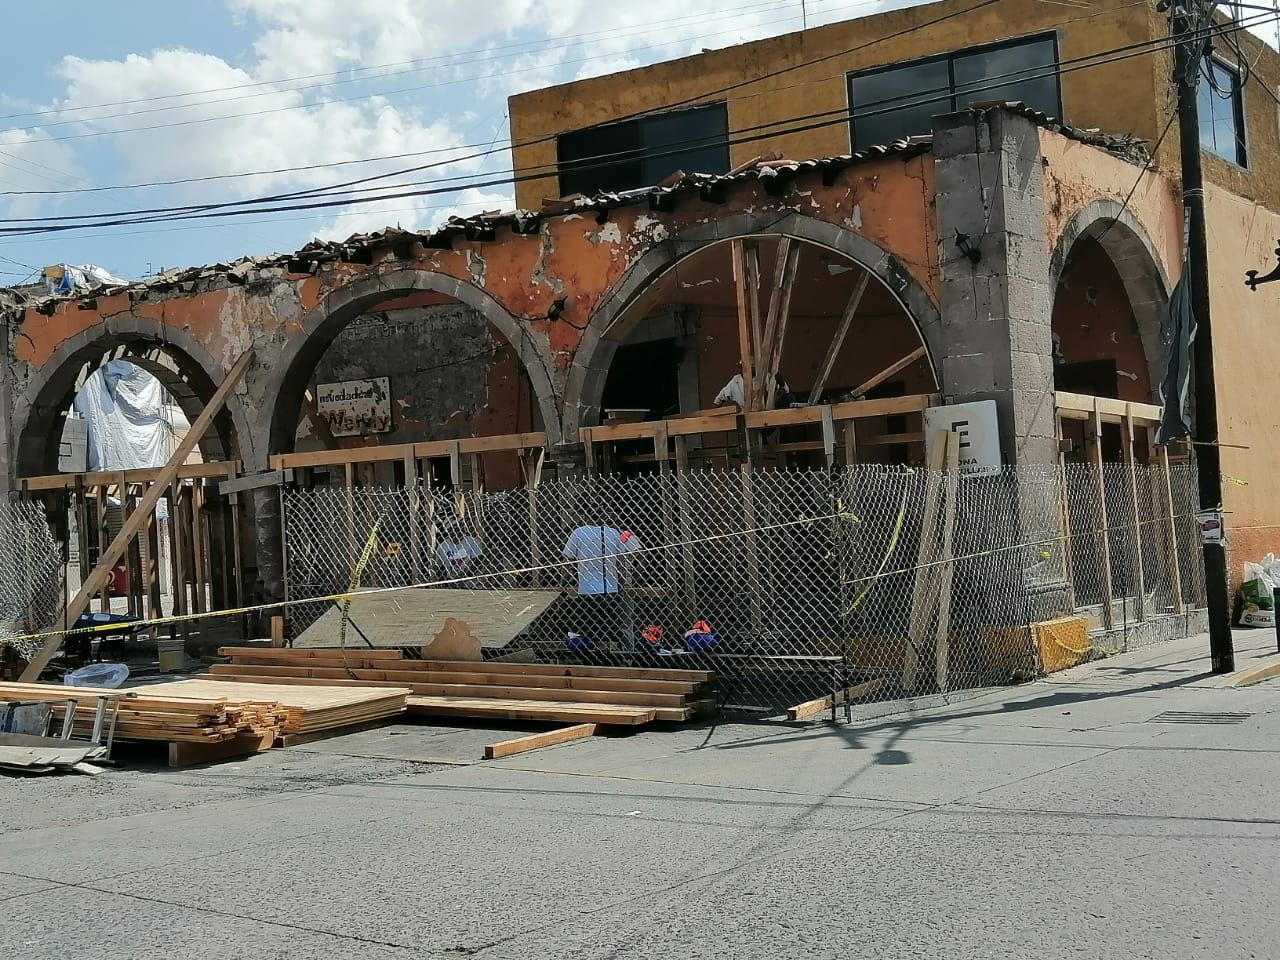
[296,697]
[411,618]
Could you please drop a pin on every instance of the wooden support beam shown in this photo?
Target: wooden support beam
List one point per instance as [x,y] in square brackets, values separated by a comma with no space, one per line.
[1102,532]
[813,708]
[104,599]
[896,367]
[1128,438]
[146,508]
[748,309]
[924,595]
[842,331]
[946,569]
[534,741]
[775,327]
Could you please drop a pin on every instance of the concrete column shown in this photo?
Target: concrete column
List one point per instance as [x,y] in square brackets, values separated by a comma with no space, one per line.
[997,335]
[996,313]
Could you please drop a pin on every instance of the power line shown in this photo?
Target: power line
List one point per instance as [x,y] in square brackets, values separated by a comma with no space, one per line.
[443,60]
[421,153]
[366,96]
[891,104]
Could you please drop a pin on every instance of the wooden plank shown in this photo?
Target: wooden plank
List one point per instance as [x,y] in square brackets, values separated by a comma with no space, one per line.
[186,754]
[301,739]
[1115,410]
[746,296]
[535,741]
[1102,534]
[398,451]
[292,654]
[812,708]
[490,666]
[889,371]
[769,346]
[257,481]
[924,597]
[419,684]
[842,331]
[946,573]
[68,481]
[411,670]
[529,710]
[1127,440]
[130,529]
[104,598]
[1171,532]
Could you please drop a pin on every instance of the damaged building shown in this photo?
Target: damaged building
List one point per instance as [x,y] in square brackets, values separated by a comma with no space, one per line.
[855,278]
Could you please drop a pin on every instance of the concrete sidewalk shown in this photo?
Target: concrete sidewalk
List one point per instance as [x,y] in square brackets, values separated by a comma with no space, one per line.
[1126,808]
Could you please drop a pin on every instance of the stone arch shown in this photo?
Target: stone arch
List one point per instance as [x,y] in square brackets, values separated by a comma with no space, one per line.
[1110,224]
[595,353]
[322,325]
[39,411]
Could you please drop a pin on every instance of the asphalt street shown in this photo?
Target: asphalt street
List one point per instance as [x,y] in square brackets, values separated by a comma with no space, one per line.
[1129,808]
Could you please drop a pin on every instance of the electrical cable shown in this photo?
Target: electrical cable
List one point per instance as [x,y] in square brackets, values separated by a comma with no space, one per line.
[218,210]
[522,144]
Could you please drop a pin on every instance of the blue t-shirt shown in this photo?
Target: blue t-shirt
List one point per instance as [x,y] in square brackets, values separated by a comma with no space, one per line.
[597,549]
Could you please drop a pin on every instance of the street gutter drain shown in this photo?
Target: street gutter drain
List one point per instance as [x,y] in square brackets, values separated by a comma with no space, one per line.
[1198,716]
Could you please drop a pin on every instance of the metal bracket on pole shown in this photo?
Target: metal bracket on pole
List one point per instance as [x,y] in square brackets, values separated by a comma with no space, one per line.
[1253,281]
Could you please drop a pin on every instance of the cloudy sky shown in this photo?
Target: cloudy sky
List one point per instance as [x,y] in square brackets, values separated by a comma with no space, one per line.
[103,95]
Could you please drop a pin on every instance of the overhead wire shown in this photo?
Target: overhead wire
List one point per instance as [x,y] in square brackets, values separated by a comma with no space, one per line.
[242,207]
[441,60]
[339,100]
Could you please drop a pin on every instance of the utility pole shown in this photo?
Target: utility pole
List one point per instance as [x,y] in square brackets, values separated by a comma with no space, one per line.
[1189,19]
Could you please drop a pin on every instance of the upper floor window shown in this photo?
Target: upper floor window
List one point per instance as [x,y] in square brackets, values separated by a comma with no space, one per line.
[889,103]
[1221,111]
[644,151]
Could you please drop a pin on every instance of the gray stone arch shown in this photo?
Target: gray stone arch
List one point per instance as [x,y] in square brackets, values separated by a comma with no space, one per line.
[594,354]
[1126,241]
[319,328]
[39,411]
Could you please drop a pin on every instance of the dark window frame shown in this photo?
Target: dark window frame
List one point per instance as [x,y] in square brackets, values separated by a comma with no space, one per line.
[1241,135]
[639,154]
[949,57]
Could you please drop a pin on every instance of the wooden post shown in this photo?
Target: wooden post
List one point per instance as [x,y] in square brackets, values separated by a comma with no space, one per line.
[746,297]
[842,331]
[177,554]
[152,577]
[924,596]
[118,545]
[277,631]
[1171,533]
[199,547]
[1102,536]
[414,493]
[1128,439]
[82,530]
[533,479]
[946,572]
[850,443]
[828,437]
[775,328]
[1067,551]
[754,586]
[104,599]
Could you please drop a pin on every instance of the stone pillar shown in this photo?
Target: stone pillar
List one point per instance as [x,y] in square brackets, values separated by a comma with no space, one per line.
[997,312]
[997,334]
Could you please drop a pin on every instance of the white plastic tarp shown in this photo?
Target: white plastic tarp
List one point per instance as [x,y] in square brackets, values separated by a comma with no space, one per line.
[124,408]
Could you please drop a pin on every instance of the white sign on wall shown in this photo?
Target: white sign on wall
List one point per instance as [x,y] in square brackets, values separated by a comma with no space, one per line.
[976,426]
[354,408]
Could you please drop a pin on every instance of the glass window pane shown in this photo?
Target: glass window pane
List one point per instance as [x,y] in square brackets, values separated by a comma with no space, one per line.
[1221,119]
[1013,72]
[695,141]
[899,102]
[606,157]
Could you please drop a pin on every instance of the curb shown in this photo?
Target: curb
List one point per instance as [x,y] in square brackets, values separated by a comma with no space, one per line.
[1265,670]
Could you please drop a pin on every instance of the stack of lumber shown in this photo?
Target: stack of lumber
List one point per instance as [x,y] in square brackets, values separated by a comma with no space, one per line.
[505,690]
[302,710]
[149,713]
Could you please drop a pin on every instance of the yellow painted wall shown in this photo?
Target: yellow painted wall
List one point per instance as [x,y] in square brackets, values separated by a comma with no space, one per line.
[1129,96]
[1246,358]
[1113,96]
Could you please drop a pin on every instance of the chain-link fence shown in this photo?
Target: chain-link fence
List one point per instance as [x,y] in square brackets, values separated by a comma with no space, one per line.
[891,582]
[31,575]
